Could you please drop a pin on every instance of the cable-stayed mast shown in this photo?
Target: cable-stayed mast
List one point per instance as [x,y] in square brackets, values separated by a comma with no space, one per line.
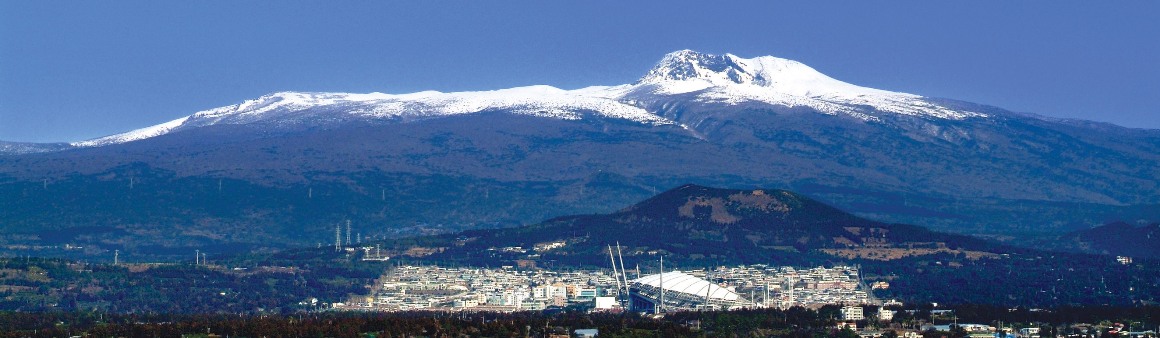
[615,275]
[624,275]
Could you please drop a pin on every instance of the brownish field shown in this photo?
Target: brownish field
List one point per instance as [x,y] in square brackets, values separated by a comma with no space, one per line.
[887,254]
[423,251]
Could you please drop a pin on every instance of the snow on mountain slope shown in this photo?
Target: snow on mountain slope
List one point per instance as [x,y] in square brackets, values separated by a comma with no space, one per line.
[134,135]
[713,79]
[544,101]
[19,148]
[290,108]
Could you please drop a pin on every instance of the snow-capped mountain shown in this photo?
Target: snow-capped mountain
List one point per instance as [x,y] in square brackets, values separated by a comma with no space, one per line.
[725,80]
[298,161]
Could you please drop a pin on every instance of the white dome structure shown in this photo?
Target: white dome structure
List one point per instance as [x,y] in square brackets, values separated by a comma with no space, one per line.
[681,292]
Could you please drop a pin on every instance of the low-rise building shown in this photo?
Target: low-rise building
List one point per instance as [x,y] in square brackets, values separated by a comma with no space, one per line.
[886,315]
[852,313]
[586,333]
[605,303]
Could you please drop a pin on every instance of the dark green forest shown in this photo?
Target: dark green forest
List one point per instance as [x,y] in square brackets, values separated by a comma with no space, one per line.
[45,285]
[793,322]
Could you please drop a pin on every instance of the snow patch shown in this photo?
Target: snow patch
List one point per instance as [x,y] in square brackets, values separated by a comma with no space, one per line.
[134,135]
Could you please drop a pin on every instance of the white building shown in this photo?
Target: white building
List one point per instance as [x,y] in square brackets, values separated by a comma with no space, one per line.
[681,292]
[886,315]
[1029,332]
[852,313]
[606,303]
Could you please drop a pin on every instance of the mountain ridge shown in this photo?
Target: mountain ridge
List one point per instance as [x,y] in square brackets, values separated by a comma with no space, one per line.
[1116,238]
[719,78]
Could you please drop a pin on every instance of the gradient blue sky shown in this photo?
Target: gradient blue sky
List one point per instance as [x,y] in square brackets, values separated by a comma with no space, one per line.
[82,69]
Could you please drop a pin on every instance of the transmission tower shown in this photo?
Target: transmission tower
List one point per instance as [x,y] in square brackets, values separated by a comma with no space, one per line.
[348,242]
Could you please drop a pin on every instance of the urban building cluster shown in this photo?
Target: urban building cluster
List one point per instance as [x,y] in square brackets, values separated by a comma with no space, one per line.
[785,286]
[506,289]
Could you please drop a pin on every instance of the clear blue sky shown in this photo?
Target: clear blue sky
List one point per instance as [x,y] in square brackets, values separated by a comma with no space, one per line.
[82,69]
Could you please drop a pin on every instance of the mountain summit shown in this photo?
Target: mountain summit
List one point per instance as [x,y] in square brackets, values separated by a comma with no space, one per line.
[719,69]
[731,80]
[696,223]
[728,69]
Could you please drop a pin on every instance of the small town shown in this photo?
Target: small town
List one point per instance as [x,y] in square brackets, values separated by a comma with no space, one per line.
[508,289]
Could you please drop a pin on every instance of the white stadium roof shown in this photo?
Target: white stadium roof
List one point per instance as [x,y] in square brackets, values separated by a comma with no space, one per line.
[684,283]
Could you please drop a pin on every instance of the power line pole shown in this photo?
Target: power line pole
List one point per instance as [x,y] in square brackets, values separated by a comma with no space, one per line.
[337,237]
[116,258]
[348,233]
